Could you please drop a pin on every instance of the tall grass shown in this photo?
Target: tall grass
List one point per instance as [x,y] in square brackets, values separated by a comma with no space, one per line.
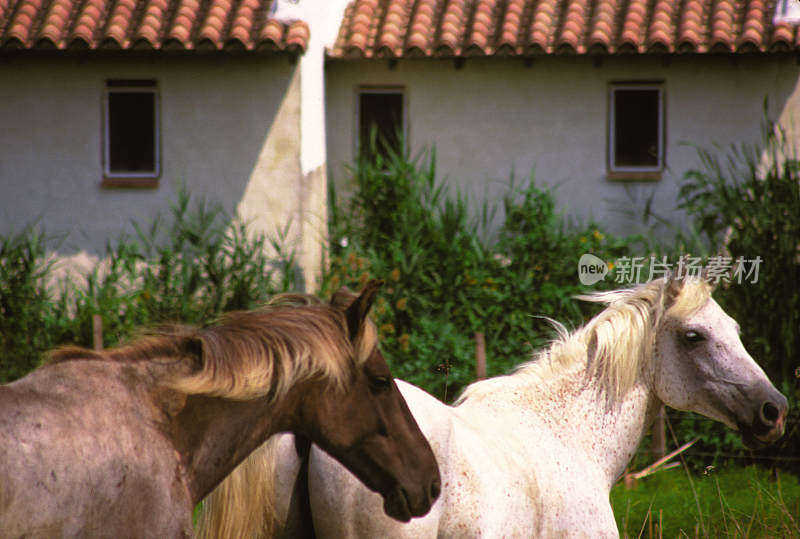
[24,302]
[733,502]
[187,267]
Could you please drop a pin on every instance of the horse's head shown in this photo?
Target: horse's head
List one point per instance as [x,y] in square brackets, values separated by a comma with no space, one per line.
[368,427]
[701,365]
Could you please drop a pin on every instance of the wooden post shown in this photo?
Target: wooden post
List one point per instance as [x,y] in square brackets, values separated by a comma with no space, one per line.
[480,356]
[97,331]
[629,481]
[659,439]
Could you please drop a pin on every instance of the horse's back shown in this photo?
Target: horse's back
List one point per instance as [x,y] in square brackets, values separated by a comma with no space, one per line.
[78,457]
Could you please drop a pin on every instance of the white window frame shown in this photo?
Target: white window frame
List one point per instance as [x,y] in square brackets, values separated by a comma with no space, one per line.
[388,89]
[143,88]
[611,136]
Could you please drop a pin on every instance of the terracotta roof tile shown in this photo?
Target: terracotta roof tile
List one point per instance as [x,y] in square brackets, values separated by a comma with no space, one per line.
[573,29]
[480,31]
[602,26]
[391,37]
[723,18]
[690,30]
[754,25]
[148,24]
[421,29]
[545,20]
[508,41]
[452,28]
[661,28]
[459,28]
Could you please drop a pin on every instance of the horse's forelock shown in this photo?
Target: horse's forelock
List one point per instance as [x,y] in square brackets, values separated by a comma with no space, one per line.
[694,294]
[623,335]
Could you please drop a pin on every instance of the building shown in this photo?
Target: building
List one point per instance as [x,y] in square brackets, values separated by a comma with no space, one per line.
[109,105]
[602,99]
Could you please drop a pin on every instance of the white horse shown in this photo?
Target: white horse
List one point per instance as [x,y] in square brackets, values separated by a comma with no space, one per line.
[536,452]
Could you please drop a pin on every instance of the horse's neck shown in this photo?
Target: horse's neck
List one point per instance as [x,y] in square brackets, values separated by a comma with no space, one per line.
[217,434]
[578,412]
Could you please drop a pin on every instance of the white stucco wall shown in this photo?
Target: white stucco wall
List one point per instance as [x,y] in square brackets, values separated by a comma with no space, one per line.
[494,116]
[230,129]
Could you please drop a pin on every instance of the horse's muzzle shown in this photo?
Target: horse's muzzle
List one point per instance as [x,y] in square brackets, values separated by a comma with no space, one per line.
[769,423]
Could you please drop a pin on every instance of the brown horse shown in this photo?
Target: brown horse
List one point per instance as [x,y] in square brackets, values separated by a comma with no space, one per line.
[127,441]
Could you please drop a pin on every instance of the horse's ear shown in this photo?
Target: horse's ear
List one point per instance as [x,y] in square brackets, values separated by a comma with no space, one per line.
[357,312]
[343,298]
[192,347]
[672,289]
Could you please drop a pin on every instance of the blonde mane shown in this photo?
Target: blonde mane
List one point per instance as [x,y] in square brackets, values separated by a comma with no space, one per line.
[620,340]
[251,354]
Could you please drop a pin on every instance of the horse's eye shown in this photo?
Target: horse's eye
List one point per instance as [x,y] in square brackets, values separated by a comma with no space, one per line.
[380,383]
[693,337]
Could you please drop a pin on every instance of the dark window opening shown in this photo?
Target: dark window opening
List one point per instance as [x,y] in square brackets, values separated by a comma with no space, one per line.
[131,131]
[380,129]
[636,128]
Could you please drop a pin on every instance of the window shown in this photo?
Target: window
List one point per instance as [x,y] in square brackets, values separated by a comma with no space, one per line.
[131,135]
[380,114]
[636,130]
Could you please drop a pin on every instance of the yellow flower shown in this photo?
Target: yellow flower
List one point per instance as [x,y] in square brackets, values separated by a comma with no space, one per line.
[403,340]
[582,239]
[598,235]
[387,328]
[395,275]
[402,303]
[610,266]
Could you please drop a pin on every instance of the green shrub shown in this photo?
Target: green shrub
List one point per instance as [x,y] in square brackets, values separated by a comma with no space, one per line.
[446,280]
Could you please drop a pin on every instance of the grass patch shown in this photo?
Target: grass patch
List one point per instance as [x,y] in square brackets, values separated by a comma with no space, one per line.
[733,502]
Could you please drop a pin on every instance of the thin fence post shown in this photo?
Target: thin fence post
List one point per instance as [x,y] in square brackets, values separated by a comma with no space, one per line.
[97,331]
[659,438]
[480,356]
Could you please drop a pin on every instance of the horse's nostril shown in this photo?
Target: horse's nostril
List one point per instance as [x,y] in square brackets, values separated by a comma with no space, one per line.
[435,489]
[769,413]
